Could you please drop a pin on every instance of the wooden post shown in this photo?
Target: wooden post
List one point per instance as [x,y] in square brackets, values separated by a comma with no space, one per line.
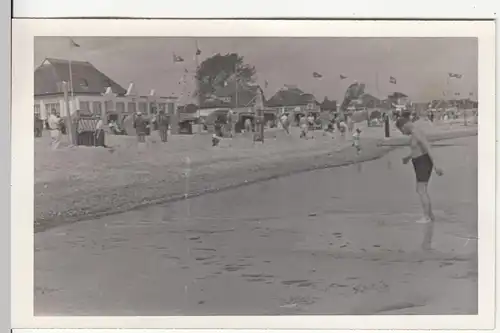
[198,92]
[69,122]
[174,116]
[386,125]
[259,105]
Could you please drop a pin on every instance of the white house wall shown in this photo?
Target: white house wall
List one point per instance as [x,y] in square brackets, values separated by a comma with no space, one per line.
[130,104]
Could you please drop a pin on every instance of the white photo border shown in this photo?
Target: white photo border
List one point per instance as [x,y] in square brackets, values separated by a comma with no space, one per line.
[23,32]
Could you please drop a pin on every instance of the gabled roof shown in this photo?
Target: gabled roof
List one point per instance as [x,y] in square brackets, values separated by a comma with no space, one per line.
[328,104]
[291,97]
[230,97]
[398,95]
[86,78]
[369,97]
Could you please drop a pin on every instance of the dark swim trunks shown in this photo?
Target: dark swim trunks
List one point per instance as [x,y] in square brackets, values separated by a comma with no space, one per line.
[423,168]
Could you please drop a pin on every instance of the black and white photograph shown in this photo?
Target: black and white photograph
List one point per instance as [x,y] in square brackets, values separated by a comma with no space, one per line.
[246,175]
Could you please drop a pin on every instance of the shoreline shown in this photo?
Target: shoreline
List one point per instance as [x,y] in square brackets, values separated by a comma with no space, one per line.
[225,180]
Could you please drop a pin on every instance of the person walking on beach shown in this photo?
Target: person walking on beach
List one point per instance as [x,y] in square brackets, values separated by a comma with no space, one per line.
[310,121]
[231,116]
[356,137]
[140,126]
[330,128]
[248,125]
[38,126]
[350,124]
[162,122]
[423,161]
[342,127]
[54,123]
[303,127]
[285,122]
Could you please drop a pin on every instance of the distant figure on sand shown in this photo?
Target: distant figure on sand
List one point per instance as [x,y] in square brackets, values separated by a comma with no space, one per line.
[231,117]
[423,162]
[356,137]
[350,124]
[285,122]
[342,127]
[99,133]
[162,122]
[310,121]
[54,123]
[140,125]
[330,127]
[38,126]
[215,140]
[248,125]
[303,123]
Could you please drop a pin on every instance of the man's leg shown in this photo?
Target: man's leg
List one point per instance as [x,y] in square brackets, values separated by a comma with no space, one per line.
[425,200]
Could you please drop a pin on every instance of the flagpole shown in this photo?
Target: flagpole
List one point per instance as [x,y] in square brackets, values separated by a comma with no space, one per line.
[198,94]
[448,85]
[71,74]
[236,82]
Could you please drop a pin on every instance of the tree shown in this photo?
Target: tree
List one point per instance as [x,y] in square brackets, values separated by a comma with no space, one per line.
[217,71]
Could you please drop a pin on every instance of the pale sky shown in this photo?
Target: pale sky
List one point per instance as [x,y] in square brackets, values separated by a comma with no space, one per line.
[420,65]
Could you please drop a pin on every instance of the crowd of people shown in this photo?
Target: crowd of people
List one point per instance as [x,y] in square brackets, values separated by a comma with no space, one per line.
[342,123]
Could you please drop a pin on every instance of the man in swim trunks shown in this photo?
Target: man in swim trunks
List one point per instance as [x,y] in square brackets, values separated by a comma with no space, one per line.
[423,162]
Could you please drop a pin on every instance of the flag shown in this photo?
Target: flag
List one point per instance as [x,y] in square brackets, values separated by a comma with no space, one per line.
[317,75]
[453,75]
[342,77]
[392,79]
[266,83]
[72,43]
[178,58]
[185,70]
[198,52]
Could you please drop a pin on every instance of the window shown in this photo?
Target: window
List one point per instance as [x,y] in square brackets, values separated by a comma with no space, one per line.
[171,108]
[96,108]
[37,110]
[143,107]
[120,107]
[52,106]
[108,106]
[85,106]
[152,108]
[131,107]
[162,106]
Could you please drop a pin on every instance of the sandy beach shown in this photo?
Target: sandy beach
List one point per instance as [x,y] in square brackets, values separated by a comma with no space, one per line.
[76,183]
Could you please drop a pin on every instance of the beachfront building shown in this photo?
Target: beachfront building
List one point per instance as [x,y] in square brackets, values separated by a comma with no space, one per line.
[328,105]
[294,101]
[92,92]
[241,99]
[399,98]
